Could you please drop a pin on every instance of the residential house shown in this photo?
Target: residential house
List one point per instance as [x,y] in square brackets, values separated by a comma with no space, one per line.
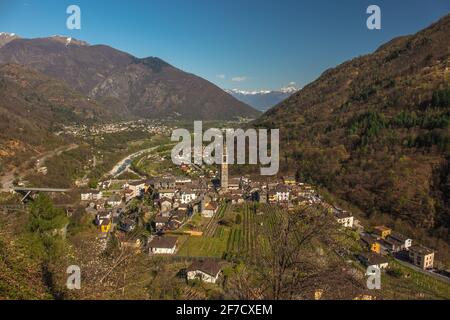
[105,225]
[165,205]
[206,271]
[370,259]
[382,231]
[164,183]
[421,256]
[272,196]
[406,241]
[187,196]
[102,215]
[161,222]
[181,181]
[162,245]
[344,218]
[371,243]
[91,195]
[209,209]
[306,190]
[166,193]
[282,193]
[393,245]
[114,201]
[289,180]
[138,187]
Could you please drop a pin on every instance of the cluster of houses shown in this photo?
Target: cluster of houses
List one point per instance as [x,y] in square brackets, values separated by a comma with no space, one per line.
[178,198]
[286,192]
[383,241]
[149,126]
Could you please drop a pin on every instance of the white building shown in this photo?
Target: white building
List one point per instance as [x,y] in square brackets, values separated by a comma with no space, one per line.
[166,193]
[114,201]
[163,245]
[345,219]
[209,210]
[91,195]
[137,187]
[407,242]
[188,197]
[282,193]
[370,259]
[206,271]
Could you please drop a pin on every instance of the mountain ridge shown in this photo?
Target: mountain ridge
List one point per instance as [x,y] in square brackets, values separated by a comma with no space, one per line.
[130,86]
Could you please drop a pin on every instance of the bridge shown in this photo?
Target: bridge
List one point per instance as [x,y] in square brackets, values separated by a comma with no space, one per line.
[26,192]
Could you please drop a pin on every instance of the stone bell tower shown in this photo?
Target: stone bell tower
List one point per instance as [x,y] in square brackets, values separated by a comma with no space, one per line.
[224,169]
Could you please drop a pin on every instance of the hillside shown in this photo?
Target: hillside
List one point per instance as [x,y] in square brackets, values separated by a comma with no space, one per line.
[32,105]
[375,130]
[128,86]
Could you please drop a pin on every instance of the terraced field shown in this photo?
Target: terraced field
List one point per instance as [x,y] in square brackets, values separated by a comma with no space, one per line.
[236,240]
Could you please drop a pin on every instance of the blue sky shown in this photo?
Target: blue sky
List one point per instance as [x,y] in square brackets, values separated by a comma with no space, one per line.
[246,44]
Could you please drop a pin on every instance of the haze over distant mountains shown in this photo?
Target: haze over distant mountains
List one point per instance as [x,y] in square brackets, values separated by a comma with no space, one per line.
[263,99]
[127,86]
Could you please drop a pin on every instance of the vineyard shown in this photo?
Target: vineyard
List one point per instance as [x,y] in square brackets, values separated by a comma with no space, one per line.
[231,240]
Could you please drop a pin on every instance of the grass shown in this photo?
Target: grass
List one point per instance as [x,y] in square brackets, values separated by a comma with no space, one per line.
[424,286]
[236,240]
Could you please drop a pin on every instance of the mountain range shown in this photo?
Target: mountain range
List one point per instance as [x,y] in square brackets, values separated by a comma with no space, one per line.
[263,100]
[127,86]
[375,130]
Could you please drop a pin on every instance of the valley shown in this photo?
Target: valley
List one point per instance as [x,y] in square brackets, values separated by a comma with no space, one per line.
[87,178]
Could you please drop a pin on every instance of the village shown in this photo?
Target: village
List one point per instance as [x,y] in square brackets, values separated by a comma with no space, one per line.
[83,131]
[186,215]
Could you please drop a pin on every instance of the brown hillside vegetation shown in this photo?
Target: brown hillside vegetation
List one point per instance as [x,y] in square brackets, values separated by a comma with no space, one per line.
[375,129]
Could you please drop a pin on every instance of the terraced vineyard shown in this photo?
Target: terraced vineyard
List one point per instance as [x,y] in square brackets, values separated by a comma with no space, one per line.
[235,241]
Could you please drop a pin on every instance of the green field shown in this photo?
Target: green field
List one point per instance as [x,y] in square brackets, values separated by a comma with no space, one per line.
[231,239]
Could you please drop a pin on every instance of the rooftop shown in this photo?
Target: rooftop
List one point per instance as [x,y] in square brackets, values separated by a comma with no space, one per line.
[420,249]
[343,214]
[373,258]
[163,242]
[207,266]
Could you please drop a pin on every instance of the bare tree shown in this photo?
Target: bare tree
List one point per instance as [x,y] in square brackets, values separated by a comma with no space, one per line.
[296,255]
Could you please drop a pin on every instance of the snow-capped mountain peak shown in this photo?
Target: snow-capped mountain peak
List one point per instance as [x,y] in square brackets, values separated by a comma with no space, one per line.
[7,34]
[6,37]
[263,99]
[245,92]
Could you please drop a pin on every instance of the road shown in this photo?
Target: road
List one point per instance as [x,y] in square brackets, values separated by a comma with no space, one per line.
[7,179]
[428,273]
